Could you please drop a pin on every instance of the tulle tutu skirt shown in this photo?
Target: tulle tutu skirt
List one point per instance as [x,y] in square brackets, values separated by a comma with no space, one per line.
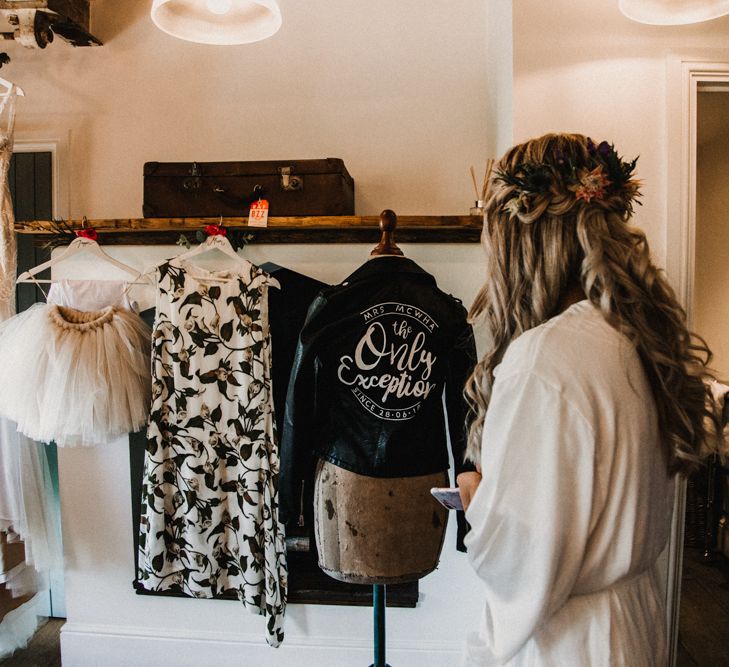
[75,377]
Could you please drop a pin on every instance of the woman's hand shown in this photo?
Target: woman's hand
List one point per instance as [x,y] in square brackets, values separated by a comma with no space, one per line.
[467,483]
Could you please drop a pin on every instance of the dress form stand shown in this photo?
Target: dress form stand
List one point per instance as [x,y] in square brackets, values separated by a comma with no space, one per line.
[375,530]
[386,246]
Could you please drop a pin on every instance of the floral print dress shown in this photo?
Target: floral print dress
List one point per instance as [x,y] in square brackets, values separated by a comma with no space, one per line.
[210,501]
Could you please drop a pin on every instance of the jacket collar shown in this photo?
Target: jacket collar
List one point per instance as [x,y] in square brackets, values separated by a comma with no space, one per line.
[387,264]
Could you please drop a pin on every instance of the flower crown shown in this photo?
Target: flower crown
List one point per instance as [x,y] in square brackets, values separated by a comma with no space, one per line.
[603,174]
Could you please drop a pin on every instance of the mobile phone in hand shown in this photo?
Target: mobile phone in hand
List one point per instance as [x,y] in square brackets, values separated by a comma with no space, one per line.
[448,497]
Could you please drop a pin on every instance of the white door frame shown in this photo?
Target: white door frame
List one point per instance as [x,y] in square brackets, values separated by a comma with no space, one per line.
[684,78]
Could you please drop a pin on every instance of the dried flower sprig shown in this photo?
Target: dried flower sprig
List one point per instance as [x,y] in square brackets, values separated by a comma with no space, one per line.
[486,178]
[61,234]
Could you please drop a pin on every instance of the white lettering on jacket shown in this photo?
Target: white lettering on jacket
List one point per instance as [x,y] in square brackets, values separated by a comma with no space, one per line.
[390,364]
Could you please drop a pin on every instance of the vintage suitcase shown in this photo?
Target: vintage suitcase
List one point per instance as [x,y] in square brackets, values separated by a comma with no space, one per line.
[210,189]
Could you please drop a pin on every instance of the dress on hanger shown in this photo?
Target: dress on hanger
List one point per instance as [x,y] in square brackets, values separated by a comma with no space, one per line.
[26,506]
[72,376]
[90,294]
[209,520]
[26,490]
[287,310]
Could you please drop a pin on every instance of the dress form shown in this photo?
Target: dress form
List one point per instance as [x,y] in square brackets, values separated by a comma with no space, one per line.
[378,530]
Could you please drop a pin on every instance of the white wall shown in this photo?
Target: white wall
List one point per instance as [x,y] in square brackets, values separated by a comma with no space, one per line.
[500,74]
[400,91]
[711,307]
[584,67]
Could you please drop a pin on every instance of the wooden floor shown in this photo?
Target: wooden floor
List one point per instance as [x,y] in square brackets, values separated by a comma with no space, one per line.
[704,621]
[703,629]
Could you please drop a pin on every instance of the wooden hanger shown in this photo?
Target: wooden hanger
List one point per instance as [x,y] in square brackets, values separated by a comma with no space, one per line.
[387,246]
[76,246]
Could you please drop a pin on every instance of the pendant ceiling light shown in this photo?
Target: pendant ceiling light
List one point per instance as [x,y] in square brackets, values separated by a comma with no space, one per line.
[673,12]
[217,21]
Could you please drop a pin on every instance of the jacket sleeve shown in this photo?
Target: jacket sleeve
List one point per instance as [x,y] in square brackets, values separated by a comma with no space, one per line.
[300,416]
[530,516]
[460,366]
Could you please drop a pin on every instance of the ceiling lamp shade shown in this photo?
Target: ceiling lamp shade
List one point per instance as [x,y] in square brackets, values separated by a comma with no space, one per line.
[221,22]
[673,12]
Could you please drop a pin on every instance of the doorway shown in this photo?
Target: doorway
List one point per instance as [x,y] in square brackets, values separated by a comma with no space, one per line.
[698,593]
[711,272]
[704,609]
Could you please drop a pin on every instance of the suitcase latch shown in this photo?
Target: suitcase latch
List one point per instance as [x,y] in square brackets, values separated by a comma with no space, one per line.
[193,182]
[289,181]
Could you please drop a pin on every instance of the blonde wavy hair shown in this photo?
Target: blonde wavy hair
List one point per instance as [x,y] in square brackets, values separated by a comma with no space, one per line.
[539,243]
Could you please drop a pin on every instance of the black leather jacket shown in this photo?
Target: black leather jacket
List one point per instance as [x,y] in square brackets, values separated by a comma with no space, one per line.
[374,359]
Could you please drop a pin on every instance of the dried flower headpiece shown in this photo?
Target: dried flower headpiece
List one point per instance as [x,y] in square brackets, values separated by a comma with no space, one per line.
[604,174]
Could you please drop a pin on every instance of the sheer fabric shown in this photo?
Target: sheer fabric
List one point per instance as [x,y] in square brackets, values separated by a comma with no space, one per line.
[26,511]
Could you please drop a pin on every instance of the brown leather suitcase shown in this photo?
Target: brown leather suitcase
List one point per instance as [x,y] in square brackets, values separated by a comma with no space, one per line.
[210,189]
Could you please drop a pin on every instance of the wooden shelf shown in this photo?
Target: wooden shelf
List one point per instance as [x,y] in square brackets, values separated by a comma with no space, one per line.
[325,229]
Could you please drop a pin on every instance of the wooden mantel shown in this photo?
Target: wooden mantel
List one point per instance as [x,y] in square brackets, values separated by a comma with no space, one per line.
[325,229]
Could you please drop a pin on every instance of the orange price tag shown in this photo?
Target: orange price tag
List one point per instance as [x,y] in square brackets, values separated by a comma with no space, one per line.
[258,216]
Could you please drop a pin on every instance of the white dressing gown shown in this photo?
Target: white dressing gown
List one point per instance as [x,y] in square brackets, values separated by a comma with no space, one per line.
[575,504]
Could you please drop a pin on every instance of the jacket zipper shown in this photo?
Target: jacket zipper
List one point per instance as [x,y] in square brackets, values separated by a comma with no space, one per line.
[301,505]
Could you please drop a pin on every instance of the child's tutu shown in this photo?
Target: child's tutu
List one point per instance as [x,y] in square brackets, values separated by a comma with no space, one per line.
[75,377]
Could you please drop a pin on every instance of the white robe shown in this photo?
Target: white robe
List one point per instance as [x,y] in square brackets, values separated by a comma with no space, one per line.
[575,504]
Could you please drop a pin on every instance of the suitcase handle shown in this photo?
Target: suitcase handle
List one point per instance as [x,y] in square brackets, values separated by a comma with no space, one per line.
[239,202]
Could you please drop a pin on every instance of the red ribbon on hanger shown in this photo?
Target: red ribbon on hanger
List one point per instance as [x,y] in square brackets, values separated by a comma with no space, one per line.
[216,230]
[87,233]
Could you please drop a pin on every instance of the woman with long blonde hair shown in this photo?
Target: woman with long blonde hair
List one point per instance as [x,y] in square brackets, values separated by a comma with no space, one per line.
[590,400]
